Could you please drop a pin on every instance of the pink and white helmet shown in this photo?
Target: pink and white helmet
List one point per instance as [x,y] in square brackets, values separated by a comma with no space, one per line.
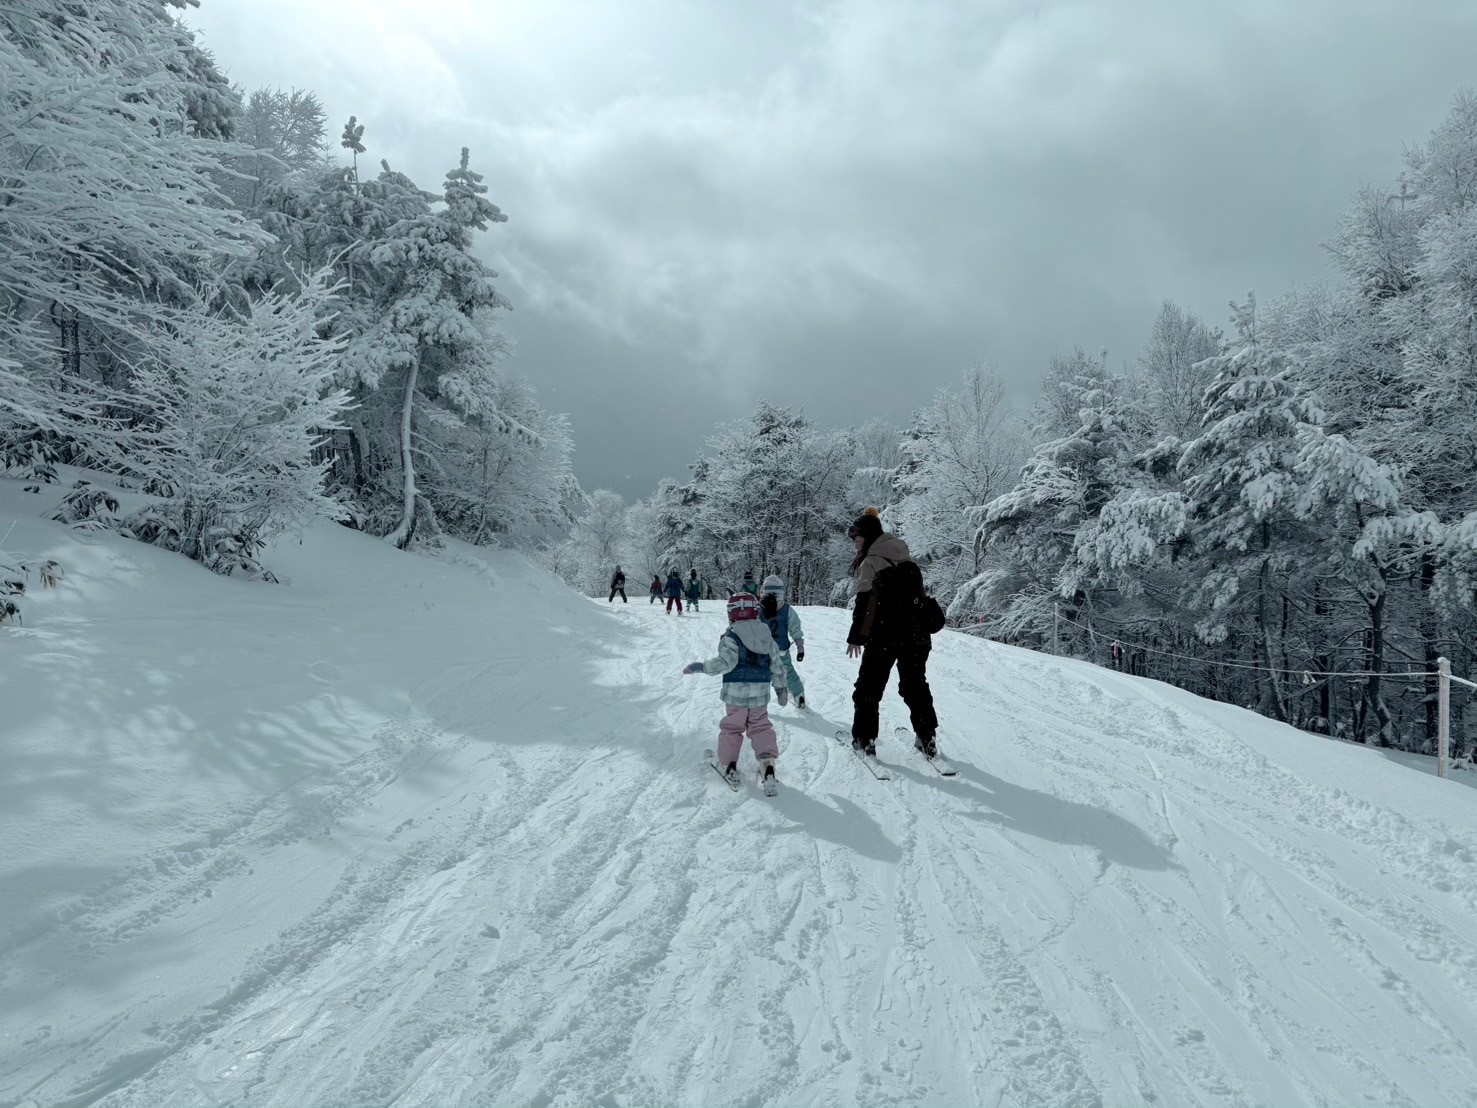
[742,605]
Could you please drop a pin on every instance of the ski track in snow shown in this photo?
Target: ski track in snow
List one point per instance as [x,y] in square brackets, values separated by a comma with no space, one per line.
[1118,901]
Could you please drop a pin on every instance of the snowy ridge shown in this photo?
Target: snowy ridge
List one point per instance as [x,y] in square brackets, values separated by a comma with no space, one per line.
[435,831]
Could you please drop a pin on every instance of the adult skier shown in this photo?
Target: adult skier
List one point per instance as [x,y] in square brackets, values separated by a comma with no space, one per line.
[617,585]
[885,632]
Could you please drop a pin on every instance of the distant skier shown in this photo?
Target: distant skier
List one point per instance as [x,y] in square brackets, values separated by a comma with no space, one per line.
[885,631]
[694,591]
[748,584]
[674,592]
[784,627]
[750,663]
[656,588]
[617,585]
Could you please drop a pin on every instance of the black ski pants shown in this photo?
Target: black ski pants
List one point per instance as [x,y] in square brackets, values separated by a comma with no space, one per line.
[618,589]
[878,658]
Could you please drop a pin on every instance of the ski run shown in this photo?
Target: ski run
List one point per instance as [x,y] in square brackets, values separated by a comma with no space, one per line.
[434,830]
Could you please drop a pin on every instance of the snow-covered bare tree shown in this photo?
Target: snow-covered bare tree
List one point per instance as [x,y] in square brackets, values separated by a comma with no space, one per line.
[961,452]
[1173,365]
[879,460]
[595,543]
[492,482]
[231,410]
[286,132]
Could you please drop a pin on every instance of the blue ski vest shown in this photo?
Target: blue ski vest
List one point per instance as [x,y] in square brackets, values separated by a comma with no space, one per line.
[752,668]
[779,627]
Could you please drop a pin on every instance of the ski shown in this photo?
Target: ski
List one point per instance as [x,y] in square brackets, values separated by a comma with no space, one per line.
[879,771]
[939,763]
[731,781]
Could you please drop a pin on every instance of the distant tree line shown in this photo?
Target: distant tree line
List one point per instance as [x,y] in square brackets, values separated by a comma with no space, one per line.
[1283,516]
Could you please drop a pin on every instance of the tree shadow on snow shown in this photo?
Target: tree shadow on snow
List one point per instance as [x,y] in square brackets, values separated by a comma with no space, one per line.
[1049,817]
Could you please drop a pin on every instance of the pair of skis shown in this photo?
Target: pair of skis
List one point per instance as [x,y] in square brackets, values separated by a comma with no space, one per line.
[767,782]
[937,763]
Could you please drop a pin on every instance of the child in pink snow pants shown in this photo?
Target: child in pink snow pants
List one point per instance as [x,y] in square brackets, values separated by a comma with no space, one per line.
[751,663]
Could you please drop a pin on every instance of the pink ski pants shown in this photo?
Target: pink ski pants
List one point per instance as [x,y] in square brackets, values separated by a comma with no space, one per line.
[761,734]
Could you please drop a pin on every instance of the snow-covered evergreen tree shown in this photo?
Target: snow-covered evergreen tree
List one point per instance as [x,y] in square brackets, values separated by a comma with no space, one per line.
[1027,535]
[109,125]
[772,501]
[1240,481]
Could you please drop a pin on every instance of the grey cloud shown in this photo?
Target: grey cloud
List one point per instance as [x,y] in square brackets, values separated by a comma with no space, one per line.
[842,206]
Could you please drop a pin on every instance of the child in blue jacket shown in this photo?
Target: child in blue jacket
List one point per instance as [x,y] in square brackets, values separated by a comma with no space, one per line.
[784,627]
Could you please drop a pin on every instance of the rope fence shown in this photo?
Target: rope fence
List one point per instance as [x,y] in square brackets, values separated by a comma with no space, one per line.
[1442,673]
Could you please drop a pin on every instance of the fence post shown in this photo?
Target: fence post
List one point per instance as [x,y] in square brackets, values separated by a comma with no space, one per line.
[1443,714]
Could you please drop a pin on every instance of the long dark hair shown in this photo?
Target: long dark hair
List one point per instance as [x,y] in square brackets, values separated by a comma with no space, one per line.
[769,604]
[867,541]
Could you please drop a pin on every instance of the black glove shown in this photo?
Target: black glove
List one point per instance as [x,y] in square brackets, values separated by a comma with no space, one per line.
[799,655]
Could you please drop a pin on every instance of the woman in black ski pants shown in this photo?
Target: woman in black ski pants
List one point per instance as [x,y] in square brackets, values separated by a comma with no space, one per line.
[883,643]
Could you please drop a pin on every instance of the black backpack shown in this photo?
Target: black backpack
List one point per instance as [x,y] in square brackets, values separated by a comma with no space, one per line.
[904,608]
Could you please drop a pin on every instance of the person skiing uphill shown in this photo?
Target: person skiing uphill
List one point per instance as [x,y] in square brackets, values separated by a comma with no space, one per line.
[694,591]
[885,632]
[617,585]
[784,627]
[674,592]
[656,588]
[751,664]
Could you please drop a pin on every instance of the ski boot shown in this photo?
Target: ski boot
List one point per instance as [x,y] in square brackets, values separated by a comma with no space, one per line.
[767,780]
[731,772]
[926,746]
[869,748]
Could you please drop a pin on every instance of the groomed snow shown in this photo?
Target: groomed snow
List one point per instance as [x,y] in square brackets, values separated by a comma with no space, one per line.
[420,830]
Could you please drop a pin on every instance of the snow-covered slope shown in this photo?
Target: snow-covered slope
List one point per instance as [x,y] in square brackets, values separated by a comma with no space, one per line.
[436,831]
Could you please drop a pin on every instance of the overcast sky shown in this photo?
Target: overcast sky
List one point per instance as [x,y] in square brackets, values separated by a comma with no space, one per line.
[843,206]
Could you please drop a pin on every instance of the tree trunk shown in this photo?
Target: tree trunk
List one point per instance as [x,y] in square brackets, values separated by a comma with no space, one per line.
[1326,698]
[1430,633]
[405,532]
[356,454]
[1273,702]
[1374,697]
